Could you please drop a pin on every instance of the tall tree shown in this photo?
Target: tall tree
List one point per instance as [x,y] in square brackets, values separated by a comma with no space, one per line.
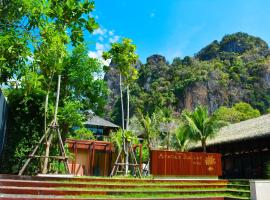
[124,58]
[34,41]
[199,125]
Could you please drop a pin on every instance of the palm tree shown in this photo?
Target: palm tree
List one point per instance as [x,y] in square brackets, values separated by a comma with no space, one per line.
[181,139]
[150,126]
[200,126]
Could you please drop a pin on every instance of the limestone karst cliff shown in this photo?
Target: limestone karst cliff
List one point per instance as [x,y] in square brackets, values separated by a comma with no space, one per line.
[225,72]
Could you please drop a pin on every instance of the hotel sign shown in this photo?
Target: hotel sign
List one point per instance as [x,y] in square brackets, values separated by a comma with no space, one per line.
[185,163]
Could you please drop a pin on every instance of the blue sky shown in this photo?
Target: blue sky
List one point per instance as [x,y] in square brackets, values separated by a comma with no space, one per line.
[176,27]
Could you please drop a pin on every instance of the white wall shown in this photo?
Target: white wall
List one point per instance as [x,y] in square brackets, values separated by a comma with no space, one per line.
[260,189]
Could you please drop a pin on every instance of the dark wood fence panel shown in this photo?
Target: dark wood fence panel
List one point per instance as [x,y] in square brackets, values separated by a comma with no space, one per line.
[173,163]
[3,120]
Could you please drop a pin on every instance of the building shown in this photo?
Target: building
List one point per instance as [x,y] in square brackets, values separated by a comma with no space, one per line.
[90,157]
[93,157]
[245,148]
[99,126]
[3,120]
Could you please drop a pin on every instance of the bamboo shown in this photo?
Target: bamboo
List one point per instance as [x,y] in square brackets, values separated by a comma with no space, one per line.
[31,155]
[57,98]
[47,152]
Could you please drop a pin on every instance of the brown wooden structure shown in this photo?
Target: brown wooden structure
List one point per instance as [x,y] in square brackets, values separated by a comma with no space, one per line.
[90,157]
[93,158]
[245,148]
[174,163]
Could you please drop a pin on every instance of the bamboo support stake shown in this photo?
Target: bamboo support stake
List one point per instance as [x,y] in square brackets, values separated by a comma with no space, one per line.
[47,153]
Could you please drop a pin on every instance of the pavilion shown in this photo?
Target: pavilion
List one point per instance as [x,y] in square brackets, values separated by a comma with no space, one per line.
[245,148]
[99,126]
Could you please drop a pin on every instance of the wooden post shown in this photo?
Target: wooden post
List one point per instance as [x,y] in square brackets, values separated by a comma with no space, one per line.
[141,158]
[110,158]
[104,171]
[88,158]
[93,158]
[76,153]
[73,160]
[62,149]
[57,98]
[47,153]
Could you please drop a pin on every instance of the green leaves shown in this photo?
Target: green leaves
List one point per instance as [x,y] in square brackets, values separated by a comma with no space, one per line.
[181,139]
[239,112]
[83,134]
[117,138]
[91,91]
[199,126]
[124,58]
[14,52]
[34,41]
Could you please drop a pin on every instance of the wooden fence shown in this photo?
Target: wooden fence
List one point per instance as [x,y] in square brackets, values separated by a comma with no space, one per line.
[173,163]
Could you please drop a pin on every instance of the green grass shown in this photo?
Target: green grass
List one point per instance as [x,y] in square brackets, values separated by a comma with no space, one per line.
[154,189]
[139,183]
[168,195]
[238,189]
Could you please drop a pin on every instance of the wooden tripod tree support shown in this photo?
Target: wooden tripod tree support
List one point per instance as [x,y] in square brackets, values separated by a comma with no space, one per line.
[128,150]
[53,129]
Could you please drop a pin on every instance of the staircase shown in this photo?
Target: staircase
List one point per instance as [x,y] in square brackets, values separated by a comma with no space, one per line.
[14,187]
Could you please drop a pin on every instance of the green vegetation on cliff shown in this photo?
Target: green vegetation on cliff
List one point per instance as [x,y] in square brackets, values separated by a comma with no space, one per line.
[236,69]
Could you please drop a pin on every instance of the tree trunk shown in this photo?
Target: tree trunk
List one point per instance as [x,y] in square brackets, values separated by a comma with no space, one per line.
[122,104]
[127,120]
[47,153]
[123,125]
[203,145]
[127,128]
[45,113]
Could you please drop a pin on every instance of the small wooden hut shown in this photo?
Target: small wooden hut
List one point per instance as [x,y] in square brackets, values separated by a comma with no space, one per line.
[90,157]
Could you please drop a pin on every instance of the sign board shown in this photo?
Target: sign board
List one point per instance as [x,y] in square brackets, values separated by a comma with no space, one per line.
[174,163]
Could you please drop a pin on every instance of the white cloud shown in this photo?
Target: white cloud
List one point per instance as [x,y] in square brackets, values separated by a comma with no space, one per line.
[98,53]
[100,31]
[92,54]
[100,38]
[111,33]
[100,46]
[114,39]
[104,38]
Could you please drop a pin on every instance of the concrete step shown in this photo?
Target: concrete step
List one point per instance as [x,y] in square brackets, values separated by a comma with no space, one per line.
[28,183]
[58,188]
[76,192]
[106,179]
[40,197]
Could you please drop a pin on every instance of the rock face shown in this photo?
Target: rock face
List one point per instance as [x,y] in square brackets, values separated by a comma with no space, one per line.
[112,79]
[156,59]
[215,94]
[235,43]
[239,71]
